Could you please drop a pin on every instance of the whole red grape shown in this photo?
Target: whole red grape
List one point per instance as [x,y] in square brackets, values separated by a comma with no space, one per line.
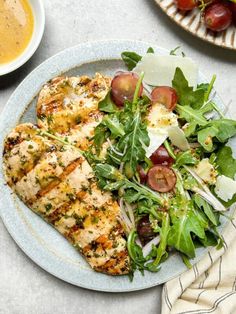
[218,17]
[186,5]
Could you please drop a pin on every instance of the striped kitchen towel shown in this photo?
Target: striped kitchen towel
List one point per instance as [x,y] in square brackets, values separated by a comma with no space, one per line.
[208,287]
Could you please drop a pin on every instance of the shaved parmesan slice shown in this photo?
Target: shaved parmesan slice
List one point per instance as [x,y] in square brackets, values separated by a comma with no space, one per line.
[206,171]
[159,119]
[232,144]
[160,70]
[225,188]
[177,137]
[157,137]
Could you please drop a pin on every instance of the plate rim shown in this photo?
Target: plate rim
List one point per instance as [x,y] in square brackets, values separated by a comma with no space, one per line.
[230,48]
[5,112]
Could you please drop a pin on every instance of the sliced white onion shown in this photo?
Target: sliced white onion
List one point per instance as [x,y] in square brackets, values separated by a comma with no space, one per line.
[147,248]
[205,193]
[138,242]
[121,167]
[130,212]
[113,149]
[124,216]
[211,200]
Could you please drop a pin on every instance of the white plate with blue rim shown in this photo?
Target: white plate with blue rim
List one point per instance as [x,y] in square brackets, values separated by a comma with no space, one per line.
[44,245]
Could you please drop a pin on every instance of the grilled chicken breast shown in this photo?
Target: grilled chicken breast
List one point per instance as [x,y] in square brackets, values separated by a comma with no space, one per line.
[57,182]
[69,106]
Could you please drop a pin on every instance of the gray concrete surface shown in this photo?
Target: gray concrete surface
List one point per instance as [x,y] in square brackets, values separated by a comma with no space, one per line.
[24,287]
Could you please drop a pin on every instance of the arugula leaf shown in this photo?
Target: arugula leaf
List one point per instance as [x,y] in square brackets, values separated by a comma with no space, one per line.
[161,250]
[135,252]
[132,196]
[221,129]
[209,88]
[210,240]
[226,128]
[194,117]
[130,132]
[205,137]
[203,86]
[109,127]
[130,59]
[186,261]
[115,180]
[113,124]
[129,148]
[185,221]
[107,104]
[185,158]
[186,95]
[100,135]
[225,162]
[132,143]
[147,207]
[218,236]
[138,261]
[190,114]
[202,204]
[108,172]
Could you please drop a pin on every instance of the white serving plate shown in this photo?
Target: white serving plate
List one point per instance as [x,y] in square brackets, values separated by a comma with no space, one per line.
[44,245]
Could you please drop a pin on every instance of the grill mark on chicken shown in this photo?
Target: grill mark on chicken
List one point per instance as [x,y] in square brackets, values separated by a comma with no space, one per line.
[81,135]
[48,172]
[99,247]
[10,144]
[67,101]
[71,167]
[23,156]
[19,134]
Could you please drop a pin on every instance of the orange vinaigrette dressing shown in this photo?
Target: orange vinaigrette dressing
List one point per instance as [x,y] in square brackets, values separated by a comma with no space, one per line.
[16,28]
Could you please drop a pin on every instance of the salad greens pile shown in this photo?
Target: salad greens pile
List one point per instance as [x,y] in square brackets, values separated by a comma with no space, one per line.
[188,216]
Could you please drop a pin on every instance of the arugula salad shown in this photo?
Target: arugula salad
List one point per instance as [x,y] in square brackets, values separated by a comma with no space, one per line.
[169,158]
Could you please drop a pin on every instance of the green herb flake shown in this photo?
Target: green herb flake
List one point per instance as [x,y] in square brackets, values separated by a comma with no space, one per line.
[72,197]
[48,206]
[94,219]
[50,119]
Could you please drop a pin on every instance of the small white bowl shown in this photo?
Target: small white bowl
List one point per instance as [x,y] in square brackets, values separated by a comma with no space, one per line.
[39,24]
